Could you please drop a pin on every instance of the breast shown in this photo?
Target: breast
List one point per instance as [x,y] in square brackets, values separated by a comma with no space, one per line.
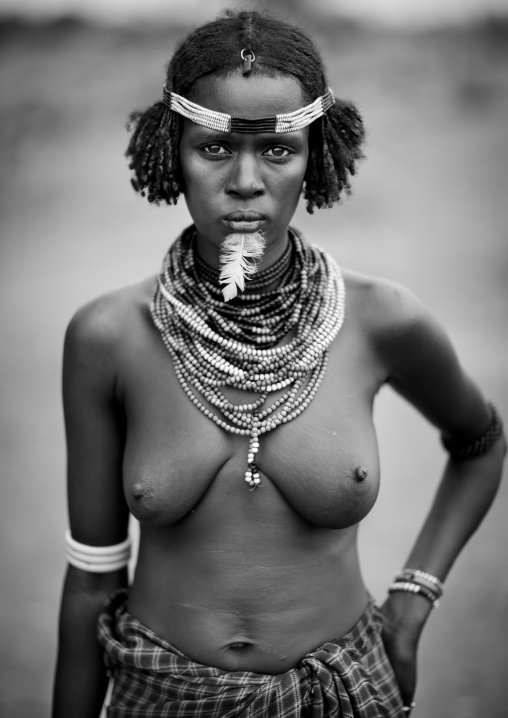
[336,500]
[329,478]
[164,491]
[175,456]
[169,467]
[327,475]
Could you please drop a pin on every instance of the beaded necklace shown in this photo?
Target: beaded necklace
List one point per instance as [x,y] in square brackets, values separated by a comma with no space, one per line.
[216,344]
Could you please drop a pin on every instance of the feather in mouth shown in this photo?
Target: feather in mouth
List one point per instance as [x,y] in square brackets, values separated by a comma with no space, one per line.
[240,254]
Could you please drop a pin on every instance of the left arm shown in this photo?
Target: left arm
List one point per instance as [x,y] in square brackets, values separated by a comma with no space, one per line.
[464,496]
[421,365]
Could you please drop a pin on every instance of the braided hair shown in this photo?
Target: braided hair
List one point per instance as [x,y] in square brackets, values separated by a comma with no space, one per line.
[335,139]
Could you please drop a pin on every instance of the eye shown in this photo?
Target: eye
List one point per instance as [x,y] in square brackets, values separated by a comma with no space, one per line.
[214,149]
[278,152]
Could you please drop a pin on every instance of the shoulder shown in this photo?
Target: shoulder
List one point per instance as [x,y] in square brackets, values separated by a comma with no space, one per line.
[98,329]
[385,310]
[104,319]
[415,353]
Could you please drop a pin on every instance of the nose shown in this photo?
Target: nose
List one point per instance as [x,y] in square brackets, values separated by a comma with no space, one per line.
[245,179]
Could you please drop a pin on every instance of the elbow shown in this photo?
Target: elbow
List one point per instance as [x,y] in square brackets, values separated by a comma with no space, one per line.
[96,586]
[491,470]
[502,441]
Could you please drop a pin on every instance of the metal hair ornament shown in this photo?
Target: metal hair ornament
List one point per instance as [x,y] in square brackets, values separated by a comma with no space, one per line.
[290,122]
[248,58]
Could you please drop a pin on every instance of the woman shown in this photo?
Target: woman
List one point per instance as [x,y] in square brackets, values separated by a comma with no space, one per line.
[231,413]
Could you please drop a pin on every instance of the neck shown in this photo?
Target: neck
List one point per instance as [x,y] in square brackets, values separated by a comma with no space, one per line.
[210,254]
[267,277]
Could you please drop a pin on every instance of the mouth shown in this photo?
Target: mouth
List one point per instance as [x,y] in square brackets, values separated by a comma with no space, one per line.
[244,221]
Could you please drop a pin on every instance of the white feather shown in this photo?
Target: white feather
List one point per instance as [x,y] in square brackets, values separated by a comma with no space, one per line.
[238,255]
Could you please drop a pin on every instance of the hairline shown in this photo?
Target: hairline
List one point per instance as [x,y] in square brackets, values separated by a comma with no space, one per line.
[263,70]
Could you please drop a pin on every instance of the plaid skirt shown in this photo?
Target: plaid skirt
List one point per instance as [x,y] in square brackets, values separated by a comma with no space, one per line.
[350,677]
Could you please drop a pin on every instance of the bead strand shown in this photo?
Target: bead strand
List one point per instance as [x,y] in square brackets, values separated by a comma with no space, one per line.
[215,345]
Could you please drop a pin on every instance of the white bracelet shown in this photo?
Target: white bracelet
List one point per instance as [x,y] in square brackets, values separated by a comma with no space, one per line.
[97,559]
[427,579]
[416,588]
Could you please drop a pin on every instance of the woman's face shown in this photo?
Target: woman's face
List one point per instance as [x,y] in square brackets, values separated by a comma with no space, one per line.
[260,175]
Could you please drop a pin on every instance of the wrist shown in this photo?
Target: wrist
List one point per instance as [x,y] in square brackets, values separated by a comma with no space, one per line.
[415,588]
[406,613]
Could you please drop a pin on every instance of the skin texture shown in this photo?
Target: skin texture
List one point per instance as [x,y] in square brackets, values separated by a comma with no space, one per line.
[240,580]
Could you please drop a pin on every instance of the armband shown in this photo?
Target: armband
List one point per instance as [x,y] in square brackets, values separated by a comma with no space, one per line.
[462,451]
[97,559]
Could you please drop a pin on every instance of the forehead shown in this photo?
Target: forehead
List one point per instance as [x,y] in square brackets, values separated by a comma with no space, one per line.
[250,97]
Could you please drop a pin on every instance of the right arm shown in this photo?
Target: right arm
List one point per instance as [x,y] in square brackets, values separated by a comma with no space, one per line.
[98,514]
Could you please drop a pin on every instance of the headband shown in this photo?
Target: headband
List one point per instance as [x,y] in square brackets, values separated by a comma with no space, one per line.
[289,122]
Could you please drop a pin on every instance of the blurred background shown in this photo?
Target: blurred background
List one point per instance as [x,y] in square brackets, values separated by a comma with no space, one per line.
[429,210]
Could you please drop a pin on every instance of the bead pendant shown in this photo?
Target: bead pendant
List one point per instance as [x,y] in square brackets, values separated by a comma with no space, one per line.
[252,476]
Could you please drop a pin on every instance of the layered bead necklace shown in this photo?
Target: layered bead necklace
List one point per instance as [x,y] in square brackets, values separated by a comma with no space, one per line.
[215,344]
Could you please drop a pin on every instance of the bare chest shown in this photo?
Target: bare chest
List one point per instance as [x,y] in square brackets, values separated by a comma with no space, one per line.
[324,463]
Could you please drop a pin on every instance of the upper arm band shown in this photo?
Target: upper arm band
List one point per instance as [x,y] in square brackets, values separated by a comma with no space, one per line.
[97,559]
[463,450]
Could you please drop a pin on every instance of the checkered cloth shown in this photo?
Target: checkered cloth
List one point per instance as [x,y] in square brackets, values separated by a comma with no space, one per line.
[351,677]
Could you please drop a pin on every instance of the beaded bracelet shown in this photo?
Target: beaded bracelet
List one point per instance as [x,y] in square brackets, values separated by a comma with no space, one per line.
[97,559]
[422,578]
[464,450]
[409,587]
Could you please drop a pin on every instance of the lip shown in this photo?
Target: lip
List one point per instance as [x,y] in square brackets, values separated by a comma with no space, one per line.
[244,215]
[244,220]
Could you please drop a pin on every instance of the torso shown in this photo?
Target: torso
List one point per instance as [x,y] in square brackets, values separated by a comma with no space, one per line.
[239,579]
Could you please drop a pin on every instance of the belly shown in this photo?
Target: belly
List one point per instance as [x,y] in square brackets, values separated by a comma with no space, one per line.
[247,580]
[243,582]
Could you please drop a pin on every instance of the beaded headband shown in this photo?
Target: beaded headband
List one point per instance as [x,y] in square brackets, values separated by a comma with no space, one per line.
[289,122]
